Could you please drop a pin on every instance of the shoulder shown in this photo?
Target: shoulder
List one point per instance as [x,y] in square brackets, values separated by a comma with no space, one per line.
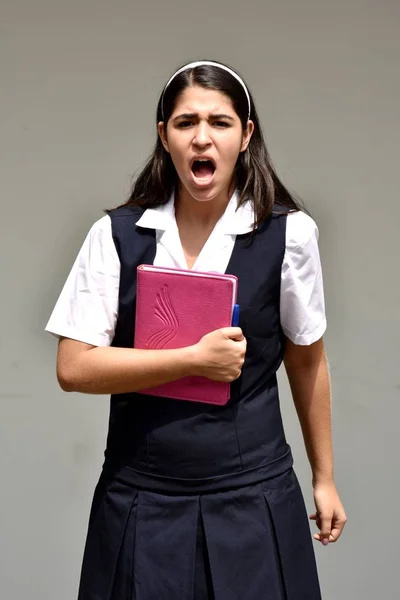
[100,233]
[99,243]
[101,227]
[300,230]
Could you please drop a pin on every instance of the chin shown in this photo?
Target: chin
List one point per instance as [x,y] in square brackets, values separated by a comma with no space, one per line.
[203,196]
[206,194]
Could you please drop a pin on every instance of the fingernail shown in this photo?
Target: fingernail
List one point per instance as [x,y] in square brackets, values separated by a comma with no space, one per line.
[325,542]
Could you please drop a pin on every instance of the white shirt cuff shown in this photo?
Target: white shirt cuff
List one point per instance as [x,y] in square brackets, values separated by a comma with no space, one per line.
[306,339]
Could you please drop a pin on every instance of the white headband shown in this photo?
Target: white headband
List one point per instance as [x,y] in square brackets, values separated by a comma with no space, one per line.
[200,63]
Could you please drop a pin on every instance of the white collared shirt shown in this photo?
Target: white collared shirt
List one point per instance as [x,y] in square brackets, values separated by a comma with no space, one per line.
[87,308]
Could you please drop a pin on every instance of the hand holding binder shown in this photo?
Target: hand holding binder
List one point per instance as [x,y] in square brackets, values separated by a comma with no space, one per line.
[177,308]
[220,354]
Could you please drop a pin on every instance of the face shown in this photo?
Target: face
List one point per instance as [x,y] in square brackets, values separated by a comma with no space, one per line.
[204,137]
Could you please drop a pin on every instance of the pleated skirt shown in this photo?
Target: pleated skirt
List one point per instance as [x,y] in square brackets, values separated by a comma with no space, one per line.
[249,543]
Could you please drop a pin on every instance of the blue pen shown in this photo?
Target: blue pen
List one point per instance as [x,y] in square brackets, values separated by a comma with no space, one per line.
[235,315]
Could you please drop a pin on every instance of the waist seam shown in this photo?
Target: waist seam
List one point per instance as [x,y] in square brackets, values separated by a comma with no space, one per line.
[155,482]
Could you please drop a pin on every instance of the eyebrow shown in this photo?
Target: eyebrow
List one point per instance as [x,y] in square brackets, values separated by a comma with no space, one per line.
[222,116]
[194,115]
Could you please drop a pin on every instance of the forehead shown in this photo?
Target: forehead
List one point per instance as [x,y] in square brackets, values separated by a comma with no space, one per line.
[197,99]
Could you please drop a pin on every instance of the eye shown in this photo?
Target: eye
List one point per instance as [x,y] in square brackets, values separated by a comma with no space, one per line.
[221,124]
[185,124]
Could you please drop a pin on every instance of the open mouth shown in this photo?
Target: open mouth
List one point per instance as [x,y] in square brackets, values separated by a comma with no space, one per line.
[203,170]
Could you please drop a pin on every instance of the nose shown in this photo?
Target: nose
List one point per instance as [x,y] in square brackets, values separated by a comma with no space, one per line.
[202,135]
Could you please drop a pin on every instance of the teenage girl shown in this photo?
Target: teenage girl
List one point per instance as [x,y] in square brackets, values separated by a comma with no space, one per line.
[197,501]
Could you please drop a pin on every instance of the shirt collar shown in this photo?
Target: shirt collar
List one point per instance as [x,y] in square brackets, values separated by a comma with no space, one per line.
[234,221]
[161,217]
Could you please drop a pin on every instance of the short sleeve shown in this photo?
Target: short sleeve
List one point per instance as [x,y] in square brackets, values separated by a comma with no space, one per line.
[302,304]
[87,307]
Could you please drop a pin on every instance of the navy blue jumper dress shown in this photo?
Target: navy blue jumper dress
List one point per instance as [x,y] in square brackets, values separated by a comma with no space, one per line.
[197,501]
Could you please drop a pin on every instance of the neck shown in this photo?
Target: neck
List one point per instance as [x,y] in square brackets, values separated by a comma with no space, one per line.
[205,214]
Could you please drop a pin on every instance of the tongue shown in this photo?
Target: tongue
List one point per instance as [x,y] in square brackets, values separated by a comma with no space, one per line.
[203,169]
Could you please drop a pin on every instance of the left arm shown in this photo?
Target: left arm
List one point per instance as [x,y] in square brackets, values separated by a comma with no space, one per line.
[307,371]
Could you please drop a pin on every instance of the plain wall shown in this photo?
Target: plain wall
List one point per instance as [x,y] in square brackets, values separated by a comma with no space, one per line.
[79,83]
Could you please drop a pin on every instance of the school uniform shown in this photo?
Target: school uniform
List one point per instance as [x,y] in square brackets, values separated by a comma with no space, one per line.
[199,501]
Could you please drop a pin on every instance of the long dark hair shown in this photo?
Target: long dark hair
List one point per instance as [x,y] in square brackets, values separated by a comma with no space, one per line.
[255,176]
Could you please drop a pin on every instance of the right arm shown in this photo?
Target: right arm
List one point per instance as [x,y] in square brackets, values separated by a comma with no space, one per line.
[107,370]
[84,321]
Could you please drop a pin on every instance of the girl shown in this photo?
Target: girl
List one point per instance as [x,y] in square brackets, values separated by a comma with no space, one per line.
[198,501]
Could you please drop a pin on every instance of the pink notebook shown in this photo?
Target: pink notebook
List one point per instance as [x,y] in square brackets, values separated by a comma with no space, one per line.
[176,308]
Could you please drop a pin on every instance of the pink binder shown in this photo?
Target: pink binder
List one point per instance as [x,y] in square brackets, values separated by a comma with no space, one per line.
[176,308]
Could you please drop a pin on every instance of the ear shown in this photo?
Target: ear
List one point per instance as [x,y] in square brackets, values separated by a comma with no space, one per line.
[247,135]
[163,135]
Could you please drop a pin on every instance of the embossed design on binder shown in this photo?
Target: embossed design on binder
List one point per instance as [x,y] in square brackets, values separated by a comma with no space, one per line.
[164,311]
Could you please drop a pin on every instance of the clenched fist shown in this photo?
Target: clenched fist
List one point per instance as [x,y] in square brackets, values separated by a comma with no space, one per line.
[220,355]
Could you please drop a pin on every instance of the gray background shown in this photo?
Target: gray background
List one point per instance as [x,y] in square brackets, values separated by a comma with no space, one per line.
[79,82]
